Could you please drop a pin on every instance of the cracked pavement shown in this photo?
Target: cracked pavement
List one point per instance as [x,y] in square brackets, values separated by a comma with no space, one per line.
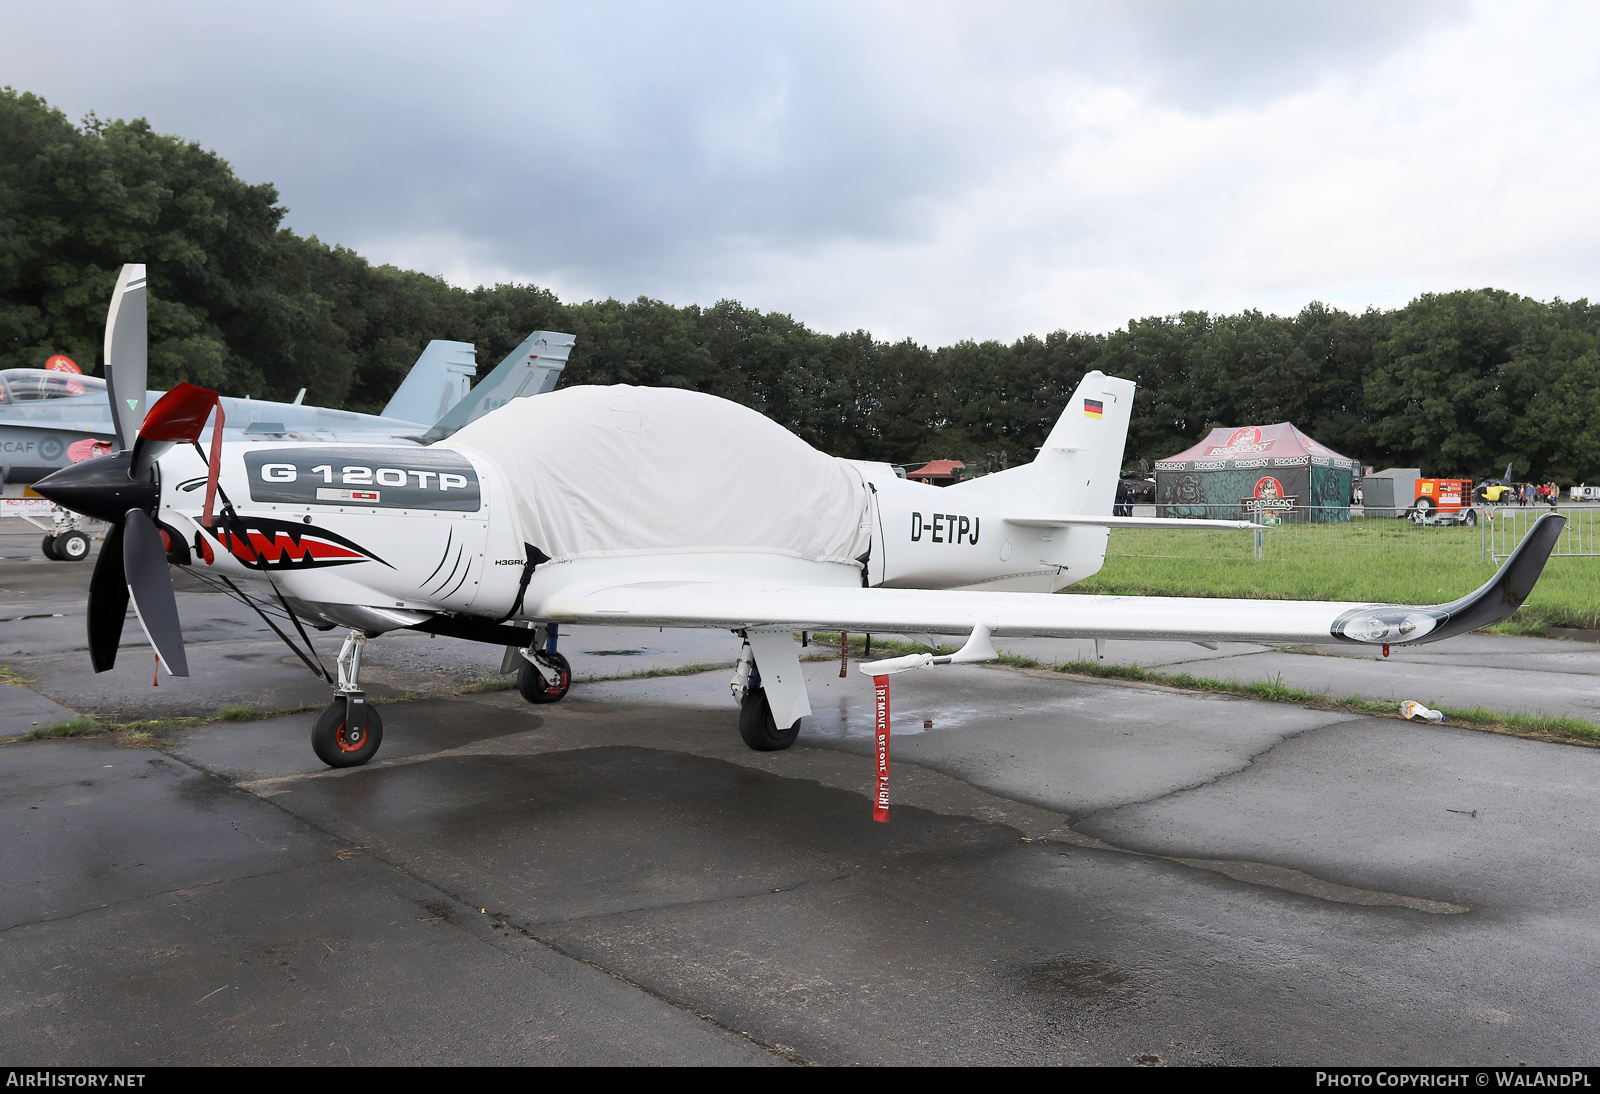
[1076,871]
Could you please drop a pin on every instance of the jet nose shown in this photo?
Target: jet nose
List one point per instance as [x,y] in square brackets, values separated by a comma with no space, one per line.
[100,488]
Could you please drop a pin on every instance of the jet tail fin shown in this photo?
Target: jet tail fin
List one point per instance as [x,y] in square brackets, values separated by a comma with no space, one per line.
[438,381]
[531,369]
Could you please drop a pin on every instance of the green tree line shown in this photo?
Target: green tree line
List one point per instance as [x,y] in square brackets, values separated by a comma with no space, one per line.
[1456,383]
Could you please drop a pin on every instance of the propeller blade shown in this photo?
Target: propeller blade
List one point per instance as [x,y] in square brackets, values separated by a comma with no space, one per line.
[108,602]
[127,354]
[179,415]
[144,561]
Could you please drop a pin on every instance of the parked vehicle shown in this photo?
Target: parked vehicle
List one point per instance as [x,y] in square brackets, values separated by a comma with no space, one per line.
[1443,501]
[1501,491]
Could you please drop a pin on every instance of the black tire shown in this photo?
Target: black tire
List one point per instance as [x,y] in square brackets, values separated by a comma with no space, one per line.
[71,547]
[1471,519]
[757,727]
[332,744]
[49,548]
[532,687]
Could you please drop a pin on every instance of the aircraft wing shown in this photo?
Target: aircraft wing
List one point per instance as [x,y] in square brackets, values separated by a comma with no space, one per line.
[734,604]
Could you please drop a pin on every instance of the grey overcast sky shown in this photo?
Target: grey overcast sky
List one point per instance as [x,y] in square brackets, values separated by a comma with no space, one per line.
[933,170]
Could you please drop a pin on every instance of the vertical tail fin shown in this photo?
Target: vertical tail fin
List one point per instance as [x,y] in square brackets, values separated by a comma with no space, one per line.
[531,369]
[1078,466]
[438,381]
[1075,474]
[1077,470]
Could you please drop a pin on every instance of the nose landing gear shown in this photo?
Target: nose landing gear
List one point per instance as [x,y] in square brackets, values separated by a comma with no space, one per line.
[348,731]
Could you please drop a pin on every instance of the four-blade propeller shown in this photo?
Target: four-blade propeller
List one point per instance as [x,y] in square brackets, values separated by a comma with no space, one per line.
[124,490]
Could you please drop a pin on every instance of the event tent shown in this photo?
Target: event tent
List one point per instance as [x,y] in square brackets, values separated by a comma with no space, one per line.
[1267,472]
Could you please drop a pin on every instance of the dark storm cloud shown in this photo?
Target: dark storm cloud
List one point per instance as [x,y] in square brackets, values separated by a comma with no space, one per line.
[626,144]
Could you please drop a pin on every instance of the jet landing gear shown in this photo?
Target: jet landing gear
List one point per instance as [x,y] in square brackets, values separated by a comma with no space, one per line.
[348,731]
[66,541]
[67,547]
[543,675]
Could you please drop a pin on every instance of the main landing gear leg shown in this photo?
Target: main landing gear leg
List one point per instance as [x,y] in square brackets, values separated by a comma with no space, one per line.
[543,675]
[757,726]
[348,731]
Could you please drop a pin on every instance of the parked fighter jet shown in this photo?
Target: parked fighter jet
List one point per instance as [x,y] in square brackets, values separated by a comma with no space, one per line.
[53,417]
[655,507]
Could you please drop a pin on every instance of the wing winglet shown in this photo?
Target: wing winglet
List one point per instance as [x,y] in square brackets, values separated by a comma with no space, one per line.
[1492,603]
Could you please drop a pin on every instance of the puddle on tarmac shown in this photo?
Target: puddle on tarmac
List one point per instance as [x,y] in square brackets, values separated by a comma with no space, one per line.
[847,719]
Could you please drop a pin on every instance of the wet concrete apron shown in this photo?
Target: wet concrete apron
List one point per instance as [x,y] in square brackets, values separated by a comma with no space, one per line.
[1076,871]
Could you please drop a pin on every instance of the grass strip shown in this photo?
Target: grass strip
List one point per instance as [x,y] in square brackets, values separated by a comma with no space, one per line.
[506,683]
[145,732]
[1363,561]
[1544,727]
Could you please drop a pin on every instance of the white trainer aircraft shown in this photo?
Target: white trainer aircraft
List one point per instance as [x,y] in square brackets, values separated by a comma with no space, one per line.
[657,507]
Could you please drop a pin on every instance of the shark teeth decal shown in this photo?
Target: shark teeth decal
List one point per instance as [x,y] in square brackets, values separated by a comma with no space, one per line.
[283,545]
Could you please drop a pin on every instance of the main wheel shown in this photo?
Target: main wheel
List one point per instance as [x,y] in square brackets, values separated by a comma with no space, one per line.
[533,686]
[72,547]
[757,727]
[337,746]
[49,549]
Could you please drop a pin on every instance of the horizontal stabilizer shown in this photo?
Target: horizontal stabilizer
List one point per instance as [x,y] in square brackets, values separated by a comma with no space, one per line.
[1185,523]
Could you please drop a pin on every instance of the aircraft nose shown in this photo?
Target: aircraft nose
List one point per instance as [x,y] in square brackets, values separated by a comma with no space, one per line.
[100,488]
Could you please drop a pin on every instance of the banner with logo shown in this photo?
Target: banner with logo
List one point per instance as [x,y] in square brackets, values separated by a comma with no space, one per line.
[1273,473]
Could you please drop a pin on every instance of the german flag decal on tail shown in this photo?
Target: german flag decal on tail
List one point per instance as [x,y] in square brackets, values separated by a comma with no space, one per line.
[1093,408]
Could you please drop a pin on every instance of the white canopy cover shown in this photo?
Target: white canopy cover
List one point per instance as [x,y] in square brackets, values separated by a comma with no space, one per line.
[621,470]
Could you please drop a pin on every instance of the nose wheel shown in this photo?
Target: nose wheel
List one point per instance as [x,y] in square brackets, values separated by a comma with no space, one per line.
[339,742]
[348,731]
